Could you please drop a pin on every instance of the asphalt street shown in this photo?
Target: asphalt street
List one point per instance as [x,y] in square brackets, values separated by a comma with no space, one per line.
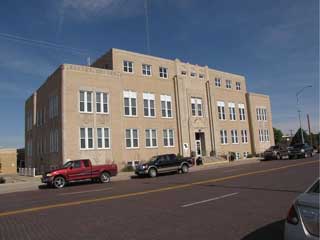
[239,202]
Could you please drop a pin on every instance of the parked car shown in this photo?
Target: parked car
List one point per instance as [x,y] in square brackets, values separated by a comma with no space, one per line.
[303,218]
[78,170]
[300,150]
[275,152]
[164,163]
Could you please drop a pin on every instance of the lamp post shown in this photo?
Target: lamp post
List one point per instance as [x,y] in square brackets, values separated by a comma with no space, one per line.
[299,111]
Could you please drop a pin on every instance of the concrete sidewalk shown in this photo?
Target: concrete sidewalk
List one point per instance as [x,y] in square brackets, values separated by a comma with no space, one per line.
[16,183]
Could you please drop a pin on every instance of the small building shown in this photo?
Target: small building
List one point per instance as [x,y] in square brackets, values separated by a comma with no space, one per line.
[8,161]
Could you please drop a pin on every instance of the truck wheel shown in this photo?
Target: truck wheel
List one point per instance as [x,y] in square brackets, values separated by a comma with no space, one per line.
[185,168]
[152,172]
[105,177]
[59,182]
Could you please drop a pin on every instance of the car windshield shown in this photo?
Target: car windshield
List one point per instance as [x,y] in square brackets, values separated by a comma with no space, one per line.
[315,188]
[67,164]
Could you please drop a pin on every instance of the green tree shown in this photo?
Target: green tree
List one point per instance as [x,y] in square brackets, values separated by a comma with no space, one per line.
[297,137]
[277,135]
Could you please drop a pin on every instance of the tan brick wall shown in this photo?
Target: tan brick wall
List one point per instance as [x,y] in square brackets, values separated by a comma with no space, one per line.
[8,161]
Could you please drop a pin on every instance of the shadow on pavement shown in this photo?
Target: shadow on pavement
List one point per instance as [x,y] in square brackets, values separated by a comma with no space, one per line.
[272,231]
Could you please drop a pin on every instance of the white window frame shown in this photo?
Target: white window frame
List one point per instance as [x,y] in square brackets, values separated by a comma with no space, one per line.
[130,95]
[146,70]
[245,155]
[232,111]
[85,101]
[103,138]
[166,99]
[149,136]
[244,136]
[86,139]
[100,96]
[193,74]
[221,111]
[128,66]
[234,136]
[238,155]
[149,97]
[131,138]
[163,72]
[167,132]
[196,107]
[238,86]
[242,113]
[223,137]
[217,82]
[228,84]
[261,137]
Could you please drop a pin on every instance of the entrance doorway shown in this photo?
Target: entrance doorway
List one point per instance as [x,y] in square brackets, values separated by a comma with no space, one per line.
[200,148]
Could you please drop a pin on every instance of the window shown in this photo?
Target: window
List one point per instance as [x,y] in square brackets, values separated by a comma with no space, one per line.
[244,136]
[266,135]
[29,120]
[228,84]
[149,105]
[245,154]
[221,112]
[132,138]
[238,155]
[53,106]
[217,82]
[183,73]
[166,106]
[103,138]
[261,138]
[76,164]
[261,114]
[242,114]
[130,103]
[232,111]
[193,74]
[29,148]
[151,138]
[163,72]
[146,70]
[85,101]
[86,138]
[238,86]
[196,107]
[201,76]
[168,138]
[102,102]
[223,136]
[127,66]
[234,136]
[54,140]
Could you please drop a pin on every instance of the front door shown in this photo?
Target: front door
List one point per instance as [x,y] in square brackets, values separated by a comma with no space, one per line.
[198,148]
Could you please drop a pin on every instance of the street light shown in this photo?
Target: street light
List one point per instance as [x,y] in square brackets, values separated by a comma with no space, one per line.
[299,111]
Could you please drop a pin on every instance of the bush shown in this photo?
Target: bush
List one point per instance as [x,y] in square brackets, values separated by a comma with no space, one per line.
[127,168]
[2,180]
[179,156]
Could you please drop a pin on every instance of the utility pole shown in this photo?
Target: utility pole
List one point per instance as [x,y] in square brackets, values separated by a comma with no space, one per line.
[308,119]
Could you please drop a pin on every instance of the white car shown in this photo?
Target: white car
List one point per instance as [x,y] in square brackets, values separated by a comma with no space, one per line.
[303,218]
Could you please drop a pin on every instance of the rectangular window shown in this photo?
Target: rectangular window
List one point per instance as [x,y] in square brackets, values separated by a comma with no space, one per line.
[217,82]
[238,155]
[151,138]
[163,72]
[183,73]
[245,154]
[130,103]
[149,105]
[228,84]
[53,106]
[223,136]
[128,66]
[86,138]
[103,138]
[146,70]
[196,107]
[168,137]
[221,112]
[132,138]
[242,114]
[238,86]
[234,136]
[261,138]
[193,74]
[102,102]
[85,101]
[232,111]
[166,106]
[54,141]
[201,76]
[244,136]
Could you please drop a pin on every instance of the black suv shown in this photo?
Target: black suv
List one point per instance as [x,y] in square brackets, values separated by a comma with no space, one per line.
[163,164]
[300,150]
[275,152]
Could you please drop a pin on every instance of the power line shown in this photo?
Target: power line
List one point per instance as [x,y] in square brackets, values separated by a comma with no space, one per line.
[41,43]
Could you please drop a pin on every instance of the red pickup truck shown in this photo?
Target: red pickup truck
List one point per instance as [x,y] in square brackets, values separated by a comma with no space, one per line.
[77,170]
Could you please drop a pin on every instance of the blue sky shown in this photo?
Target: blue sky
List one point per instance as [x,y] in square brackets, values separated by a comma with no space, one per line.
[273,43]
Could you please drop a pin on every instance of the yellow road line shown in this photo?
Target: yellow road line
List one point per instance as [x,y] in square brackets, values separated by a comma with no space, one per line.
[80,202]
